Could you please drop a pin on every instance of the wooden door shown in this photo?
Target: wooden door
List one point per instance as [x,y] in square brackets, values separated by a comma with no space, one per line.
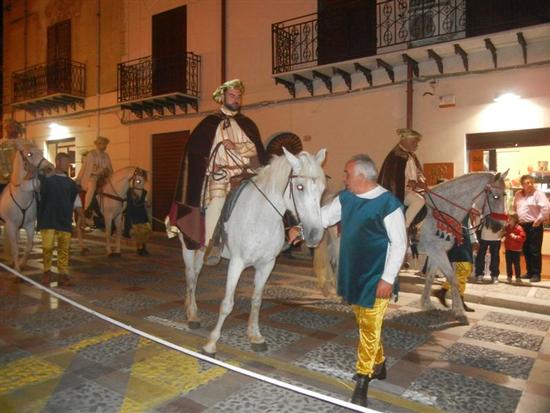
[167,153]
[170,51]
[58,70]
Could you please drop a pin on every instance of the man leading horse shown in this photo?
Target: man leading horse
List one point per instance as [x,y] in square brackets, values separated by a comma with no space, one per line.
[223,145]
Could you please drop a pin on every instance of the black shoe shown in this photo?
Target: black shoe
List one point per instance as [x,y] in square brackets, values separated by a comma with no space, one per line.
[535,279]
[526,276]
[380,372]
[359,396]
[440,294]
[466,308]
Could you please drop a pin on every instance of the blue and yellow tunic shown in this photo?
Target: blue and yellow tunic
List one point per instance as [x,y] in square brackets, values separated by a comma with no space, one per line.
[363,246]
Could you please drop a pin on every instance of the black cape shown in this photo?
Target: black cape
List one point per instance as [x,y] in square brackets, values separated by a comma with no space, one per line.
[185,210]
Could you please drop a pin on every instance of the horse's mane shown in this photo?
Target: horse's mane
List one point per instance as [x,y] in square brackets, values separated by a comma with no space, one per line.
[274,176]
[125,173]
[459,179]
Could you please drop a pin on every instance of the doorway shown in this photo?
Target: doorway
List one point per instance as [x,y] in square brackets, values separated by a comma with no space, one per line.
[168,149]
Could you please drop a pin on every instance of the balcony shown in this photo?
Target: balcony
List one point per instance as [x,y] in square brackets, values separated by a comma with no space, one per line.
[381,42]
[49,87]
[159,86]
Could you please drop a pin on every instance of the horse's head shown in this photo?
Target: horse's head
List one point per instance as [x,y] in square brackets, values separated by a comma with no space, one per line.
[137,181]
[307,183]
[33,159]
[495,207]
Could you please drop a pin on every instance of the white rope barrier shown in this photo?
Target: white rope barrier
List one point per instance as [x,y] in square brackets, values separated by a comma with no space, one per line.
[245,372]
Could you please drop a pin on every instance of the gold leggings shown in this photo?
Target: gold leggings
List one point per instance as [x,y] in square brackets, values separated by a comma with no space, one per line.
[63,244]
[370,351]
[463,269]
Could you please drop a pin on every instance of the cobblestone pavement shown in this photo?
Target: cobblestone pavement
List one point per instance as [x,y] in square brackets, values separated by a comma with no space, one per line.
[57,358]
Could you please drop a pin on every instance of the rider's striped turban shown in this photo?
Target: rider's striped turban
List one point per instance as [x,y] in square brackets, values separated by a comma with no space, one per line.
[230,84]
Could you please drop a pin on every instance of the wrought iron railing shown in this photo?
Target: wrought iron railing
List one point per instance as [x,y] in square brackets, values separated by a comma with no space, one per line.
[420,21]
[412,22]
[148,76]
[294,43]
[59,76]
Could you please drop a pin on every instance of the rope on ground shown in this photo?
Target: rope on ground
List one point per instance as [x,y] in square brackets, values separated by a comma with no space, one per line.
[245,372]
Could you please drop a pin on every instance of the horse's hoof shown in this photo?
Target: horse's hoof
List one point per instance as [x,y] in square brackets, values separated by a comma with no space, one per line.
[259,347]
[462,320]
[206,353]
[194,325]
[114,255]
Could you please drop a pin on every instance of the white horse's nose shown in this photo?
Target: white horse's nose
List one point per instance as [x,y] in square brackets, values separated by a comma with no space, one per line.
[313,237]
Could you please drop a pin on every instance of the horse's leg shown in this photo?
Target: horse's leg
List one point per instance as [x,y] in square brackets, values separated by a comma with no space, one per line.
[260,278]
[29,230]
[457,306]
[191,277]
[236,266]
[425,302]
[13,235]
[108,228]
[80,222]
[118,233]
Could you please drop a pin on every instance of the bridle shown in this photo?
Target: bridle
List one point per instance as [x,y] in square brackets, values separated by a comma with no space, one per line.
[138,173]
[448,222]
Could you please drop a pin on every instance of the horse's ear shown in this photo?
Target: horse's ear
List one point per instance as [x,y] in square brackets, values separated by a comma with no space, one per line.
[502,176]
[321,155]
[292,160]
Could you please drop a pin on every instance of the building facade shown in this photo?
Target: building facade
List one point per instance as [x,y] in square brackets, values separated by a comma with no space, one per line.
[340,74]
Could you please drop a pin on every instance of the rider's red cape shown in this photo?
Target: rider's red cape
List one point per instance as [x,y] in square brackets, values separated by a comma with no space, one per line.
[185,210]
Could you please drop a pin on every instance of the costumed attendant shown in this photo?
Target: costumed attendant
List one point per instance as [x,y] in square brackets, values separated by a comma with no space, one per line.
[58,199]
[461,255]
[401,173]
[221,146]
[136,217]
[95,169]
[372,247]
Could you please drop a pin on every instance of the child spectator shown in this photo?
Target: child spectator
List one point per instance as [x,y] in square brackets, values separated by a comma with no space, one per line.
[513,242]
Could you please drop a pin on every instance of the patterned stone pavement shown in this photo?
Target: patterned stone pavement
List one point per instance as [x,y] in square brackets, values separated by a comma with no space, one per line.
[56,358]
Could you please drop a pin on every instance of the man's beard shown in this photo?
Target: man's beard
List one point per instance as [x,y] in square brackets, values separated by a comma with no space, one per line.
[235,107]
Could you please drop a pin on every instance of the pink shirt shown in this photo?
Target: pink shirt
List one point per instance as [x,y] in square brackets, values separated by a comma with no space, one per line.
[531,207]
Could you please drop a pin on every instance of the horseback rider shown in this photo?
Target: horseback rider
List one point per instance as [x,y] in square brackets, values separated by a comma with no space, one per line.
[14,130]
[401,173]
[222,146]
[95,170]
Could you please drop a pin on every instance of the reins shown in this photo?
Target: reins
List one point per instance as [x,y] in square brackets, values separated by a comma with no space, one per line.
[452,223]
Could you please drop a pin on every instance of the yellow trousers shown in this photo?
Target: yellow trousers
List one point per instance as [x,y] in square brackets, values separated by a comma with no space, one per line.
[463,269]
[370,351]
[49,237]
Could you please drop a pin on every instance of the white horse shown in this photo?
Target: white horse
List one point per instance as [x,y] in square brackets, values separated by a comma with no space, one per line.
[448,203]
[255,233]
[112,202]
[18,201]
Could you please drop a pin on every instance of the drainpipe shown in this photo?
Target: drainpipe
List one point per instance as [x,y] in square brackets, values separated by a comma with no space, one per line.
[98,82]
[409,95]
[223,39]
[26,61]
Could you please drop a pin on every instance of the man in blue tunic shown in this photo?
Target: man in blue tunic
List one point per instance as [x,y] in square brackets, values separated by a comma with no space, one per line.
[372,248]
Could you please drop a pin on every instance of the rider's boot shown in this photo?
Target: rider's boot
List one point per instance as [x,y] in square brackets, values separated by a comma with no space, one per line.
[213,253]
